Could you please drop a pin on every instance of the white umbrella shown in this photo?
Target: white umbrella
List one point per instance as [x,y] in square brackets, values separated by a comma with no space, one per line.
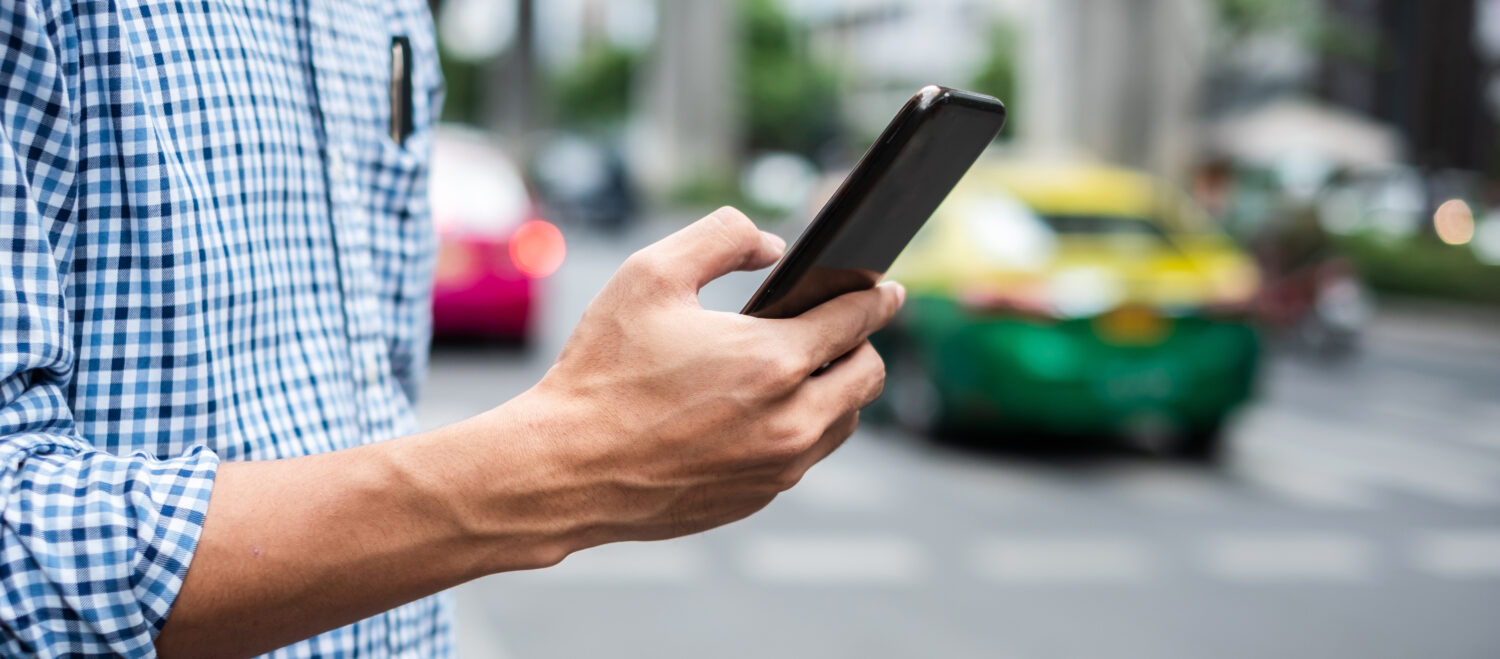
[1297,129]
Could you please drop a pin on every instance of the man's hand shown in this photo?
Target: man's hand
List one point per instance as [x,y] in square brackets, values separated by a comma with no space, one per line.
[659,419]
[670,419]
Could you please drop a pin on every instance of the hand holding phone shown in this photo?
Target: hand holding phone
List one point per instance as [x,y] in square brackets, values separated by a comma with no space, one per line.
[896,186]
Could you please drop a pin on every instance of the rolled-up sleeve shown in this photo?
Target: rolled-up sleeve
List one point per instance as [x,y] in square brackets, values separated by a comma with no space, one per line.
[93,546]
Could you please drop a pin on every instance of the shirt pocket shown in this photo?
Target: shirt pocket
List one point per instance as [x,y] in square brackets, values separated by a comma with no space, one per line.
[403,241]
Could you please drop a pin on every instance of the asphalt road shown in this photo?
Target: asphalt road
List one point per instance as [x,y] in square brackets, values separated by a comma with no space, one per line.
[1358,515]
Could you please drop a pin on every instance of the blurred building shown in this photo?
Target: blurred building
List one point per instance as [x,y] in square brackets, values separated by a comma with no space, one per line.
[1114,79]
[1427,76]
[884,50]
[687,130]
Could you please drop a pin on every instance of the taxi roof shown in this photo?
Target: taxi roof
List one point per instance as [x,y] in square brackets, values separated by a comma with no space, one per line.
[1070,189]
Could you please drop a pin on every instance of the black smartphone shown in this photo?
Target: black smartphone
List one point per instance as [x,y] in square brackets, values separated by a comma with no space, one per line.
[896,186]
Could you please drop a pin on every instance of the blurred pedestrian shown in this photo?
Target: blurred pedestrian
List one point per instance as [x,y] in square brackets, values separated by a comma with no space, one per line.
[215,258]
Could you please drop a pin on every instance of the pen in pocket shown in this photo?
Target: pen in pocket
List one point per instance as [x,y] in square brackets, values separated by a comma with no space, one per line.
[401,125]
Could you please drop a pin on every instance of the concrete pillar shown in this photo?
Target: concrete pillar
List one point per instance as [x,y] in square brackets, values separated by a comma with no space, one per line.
[687,127]
[515,98]
[1113,79]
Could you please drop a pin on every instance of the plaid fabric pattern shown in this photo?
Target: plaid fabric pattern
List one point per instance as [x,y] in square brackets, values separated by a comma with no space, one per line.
[210,250]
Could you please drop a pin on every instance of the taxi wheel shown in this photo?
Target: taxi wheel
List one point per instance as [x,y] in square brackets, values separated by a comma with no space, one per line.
[913,398]
[1204,445]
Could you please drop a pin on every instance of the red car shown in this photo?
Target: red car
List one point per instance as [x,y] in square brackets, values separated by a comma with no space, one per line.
[493,245]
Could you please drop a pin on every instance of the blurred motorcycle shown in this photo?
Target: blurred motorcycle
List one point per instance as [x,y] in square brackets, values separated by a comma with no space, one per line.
[1310,296]
[1322,306]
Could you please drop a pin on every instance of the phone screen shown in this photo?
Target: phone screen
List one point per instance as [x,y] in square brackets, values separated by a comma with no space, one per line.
[895,187]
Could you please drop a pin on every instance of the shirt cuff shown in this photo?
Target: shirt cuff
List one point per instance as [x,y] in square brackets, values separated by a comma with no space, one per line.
[97,545]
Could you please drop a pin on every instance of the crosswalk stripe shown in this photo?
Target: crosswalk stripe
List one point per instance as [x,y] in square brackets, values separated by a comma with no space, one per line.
[1023,560]
[1168,487]
[835,487]
[1452,489]
[1460,554]
[994,484]
[1460,478]
[1286,557]
[1304,484]
[853,559]
[1486,420]
[1061,560]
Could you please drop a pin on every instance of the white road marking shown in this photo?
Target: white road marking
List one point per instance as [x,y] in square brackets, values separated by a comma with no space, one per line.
[996,484]
[1460,554]
[1061,560]
[1166,486]
[1486,429]
[838,487]
[1303,483]
[1454,489]
[1460,477]
[657,563]
[1288,557]
[476,631]
[851,559]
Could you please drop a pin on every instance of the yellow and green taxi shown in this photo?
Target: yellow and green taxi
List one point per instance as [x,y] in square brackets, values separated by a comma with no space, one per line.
[1072,300]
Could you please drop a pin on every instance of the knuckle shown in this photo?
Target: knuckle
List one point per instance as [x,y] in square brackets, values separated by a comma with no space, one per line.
[788,440]
[875,384]
[778,372]
[877,363]
[734,223]
[734,228]
[637,262]
[646,268]
[791,441]
[787,479]
[851,423]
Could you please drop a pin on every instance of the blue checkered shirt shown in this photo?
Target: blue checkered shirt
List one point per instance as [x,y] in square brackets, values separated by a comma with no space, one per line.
[210,249]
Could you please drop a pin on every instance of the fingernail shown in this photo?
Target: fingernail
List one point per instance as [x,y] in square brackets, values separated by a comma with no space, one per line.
[900,293]
[774,241]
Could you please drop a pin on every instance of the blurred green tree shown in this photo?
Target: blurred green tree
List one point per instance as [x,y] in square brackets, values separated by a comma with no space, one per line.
[462,85]
[595,93]
[1240,20]
[789,101]
[997,75]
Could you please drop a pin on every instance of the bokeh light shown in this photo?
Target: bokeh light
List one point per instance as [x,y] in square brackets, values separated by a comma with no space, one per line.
[537,248]
[1454,222]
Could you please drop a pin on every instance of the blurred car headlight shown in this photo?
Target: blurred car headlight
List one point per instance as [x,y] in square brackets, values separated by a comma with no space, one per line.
[1009,234]
[1085,291]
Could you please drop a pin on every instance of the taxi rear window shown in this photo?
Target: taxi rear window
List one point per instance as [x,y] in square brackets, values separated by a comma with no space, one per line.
[1108,226]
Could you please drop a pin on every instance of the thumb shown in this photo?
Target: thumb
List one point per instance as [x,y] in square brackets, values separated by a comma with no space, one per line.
[723,242]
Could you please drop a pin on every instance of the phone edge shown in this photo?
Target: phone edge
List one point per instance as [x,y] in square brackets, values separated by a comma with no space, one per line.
[925,100]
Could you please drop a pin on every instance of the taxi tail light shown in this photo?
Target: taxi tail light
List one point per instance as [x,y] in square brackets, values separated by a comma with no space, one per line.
[537,248]
[1233,305]
[1230,309]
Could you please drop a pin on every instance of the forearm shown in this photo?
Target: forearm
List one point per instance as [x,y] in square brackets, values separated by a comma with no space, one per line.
[291,548]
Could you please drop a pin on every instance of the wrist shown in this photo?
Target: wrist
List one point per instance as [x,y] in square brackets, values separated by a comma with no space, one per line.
[501,485]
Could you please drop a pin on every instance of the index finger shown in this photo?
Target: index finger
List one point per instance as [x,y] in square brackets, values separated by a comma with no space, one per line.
[832,329]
